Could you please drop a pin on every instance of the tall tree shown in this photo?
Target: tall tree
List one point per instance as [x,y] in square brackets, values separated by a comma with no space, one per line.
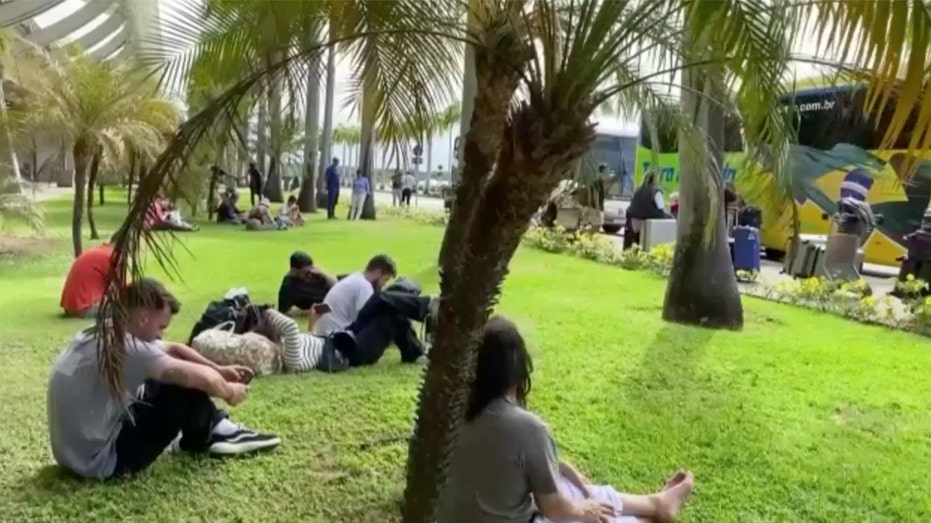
[96,108]
[307,200]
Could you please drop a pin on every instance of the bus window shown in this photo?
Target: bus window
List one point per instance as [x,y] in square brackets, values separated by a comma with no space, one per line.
[830,116]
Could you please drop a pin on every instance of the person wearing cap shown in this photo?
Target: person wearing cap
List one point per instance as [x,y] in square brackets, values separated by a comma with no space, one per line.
[304,285]
[260,218]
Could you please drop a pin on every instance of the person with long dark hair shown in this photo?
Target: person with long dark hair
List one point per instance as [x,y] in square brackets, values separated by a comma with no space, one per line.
[505,467]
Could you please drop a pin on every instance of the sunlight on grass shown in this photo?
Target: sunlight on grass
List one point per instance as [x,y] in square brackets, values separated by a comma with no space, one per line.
[801,417]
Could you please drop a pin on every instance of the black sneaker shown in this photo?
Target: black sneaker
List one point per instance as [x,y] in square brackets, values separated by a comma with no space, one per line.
[242,441]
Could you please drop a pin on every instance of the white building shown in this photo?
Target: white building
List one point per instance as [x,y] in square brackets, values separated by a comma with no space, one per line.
[105,29]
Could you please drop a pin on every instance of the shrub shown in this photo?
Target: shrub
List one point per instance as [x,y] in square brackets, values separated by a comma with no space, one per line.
[548,239]
[418,215]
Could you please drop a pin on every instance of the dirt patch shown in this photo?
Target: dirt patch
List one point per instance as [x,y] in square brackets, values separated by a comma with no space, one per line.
[11,246]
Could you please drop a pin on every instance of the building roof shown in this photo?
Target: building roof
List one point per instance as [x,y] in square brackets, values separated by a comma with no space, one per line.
[104,29]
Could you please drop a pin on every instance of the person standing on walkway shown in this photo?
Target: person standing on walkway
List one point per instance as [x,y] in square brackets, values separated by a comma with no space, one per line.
[396,186]
[332,188]
[408,185]
[360,190]
[255,183]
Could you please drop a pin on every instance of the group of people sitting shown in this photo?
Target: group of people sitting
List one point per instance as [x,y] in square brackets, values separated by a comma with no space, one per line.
[504,469]
[260,218]
[163,215]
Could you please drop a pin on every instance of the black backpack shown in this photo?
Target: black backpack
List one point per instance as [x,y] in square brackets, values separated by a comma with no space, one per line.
[245,316]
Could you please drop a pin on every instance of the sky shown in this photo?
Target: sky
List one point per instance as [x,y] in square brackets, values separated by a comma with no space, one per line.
[441,147]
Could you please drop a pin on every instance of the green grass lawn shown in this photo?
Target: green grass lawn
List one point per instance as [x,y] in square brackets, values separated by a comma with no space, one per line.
[800,417]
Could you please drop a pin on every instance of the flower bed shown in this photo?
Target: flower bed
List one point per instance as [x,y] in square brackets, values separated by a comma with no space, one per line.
[852,300]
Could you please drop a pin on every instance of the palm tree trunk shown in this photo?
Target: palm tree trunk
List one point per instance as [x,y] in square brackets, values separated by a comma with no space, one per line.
[702,288]
[8,139]
[307,200]
[326,143]
[80,152]
[273,181]
[100,191]
[261,136]
[426,185]
[133,161]
[367,145]
[466,296]
[91,183]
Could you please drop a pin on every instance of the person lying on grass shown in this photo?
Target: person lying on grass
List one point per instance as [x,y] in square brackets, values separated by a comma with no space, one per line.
[346,298]
[384,319]
[505,467]
[304,285]
[166,390]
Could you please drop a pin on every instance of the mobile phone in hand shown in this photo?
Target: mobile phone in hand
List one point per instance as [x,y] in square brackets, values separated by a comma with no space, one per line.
[321,308]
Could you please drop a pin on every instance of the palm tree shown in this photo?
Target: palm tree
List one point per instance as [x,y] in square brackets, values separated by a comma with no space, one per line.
[542,68]
[307,200]
[445,120]
[15,207]
[101,110]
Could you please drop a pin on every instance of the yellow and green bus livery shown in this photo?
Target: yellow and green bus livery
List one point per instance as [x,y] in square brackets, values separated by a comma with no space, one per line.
[837,147]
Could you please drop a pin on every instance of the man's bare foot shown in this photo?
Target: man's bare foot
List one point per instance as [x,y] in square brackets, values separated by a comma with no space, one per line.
[675,479]
[671,499]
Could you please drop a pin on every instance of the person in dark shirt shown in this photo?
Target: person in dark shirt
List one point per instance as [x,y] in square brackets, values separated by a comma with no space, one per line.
[255,183]
[227,212]
[304,285]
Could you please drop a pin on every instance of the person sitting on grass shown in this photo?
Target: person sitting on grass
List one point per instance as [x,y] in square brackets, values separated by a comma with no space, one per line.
[260,218]
[166,390]
[304,285]
[86,282]
[385,319]
[290,213]
[163,216]
[344,301]
[227,212]
[505,467]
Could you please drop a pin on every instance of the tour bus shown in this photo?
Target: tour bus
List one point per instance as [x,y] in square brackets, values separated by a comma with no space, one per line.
[836,141]
[617,151]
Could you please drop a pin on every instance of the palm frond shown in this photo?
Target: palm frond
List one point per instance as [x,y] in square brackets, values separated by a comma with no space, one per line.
[15,207]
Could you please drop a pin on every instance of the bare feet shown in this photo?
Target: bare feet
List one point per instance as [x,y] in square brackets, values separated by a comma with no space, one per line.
[674,496]
[675,479]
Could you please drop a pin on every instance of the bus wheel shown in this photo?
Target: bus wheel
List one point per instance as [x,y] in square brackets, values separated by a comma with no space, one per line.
[774,254]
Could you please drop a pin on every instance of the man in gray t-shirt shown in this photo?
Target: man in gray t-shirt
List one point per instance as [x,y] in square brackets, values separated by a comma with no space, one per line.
[166,391]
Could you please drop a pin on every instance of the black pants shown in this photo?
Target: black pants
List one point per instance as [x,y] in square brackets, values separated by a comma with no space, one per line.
[385,319]
[255,191]
[332,198]
[406,197]
[157,417]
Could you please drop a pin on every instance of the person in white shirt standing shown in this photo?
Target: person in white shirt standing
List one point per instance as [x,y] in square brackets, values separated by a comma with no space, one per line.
[408,185]
[344,301]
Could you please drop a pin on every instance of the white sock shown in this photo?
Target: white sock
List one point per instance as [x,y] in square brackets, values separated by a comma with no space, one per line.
[225,427]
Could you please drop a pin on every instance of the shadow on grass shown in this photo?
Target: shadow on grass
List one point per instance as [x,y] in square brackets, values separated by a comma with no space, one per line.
[707,414]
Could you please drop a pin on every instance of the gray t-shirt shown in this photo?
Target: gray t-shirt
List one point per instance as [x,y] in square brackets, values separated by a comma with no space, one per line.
[345,300]
[83,417]
[502,457]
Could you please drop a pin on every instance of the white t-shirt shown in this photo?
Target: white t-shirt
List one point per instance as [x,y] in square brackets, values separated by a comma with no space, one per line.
[408,182]
[345,300]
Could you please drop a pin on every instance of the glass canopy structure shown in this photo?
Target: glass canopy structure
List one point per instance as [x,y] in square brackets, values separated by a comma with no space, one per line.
[104,29]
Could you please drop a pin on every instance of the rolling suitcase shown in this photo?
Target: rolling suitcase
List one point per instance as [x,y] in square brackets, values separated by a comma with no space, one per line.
[746,249]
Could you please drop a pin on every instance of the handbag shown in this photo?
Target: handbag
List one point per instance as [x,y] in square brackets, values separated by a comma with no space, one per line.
[224,347]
